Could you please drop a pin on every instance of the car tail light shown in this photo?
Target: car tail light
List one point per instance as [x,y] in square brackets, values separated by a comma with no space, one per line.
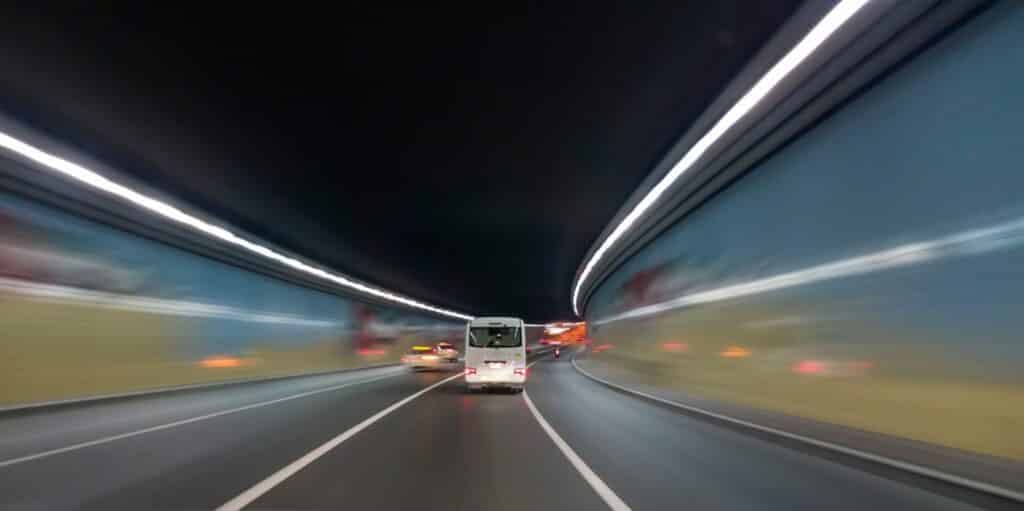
[470,370]
[519,372]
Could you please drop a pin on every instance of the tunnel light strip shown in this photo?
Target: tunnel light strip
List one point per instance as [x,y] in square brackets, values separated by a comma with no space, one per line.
[828,25]
[971,242]
[99,182]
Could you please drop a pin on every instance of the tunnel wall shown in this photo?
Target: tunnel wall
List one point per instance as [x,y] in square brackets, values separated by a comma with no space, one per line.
[88,310]
[869,274]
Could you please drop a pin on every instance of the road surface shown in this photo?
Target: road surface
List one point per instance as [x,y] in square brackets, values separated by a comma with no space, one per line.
[330,447]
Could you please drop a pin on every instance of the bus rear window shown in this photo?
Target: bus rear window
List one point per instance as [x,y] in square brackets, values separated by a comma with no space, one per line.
[495,337]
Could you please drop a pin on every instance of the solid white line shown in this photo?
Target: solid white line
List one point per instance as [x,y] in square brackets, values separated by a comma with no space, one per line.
[248,496]
[90,443]
[595,482]
[903,465]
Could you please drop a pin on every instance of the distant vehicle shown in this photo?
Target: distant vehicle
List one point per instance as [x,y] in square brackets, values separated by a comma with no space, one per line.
[448,351]
[424,357]
[496,353]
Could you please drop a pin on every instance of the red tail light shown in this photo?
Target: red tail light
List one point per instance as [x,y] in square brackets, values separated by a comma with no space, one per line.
[470,370]
[519,372]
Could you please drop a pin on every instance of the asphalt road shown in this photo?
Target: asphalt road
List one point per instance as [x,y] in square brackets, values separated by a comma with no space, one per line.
[444,449]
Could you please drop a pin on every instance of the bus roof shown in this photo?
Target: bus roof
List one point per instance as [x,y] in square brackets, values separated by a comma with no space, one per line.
[495,321]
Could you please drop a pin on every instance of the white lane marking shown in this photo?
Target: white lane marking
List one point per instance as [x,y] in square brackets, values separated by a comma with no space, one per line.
[603,491]
[262,487]
[903,465]
[90,443]
[535,361]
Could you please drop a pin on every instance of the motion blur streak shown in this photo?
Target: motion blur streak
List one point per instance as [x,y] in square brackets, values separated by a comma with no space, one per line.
[835,324]
[219,362]
[832,21]
[69,295]
[735,352]
[91,310]
[972,242]
[870,268]
[165,210]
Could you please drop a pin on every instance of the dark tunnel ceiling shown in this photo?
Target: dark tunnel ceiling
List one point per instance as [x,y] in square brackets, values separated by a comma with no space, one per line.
[467,158]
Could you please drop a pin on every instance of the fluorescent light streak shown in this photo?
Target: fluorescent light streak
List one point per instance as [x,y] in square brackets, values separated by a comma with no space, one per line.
[535,325]
[828,25]
[99,182]
[965,243]
[52,293]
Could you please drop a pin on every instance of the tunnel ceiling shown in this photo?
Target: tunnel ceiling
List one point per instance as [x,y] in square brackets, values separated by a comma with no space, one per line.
[467,158]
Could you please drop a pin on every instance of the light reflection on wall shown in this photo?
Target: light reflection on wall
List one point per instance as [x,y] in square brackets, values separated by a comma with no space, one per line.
[88,309]
[868,274]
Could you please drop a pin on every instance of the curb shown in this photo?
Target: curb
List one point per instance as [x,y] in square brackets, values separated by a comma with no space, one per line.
[177,388]
[856,453]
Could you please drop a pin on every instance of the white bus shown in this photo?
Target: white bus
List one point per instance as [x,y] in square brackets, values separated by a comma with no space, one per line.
[496,353]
